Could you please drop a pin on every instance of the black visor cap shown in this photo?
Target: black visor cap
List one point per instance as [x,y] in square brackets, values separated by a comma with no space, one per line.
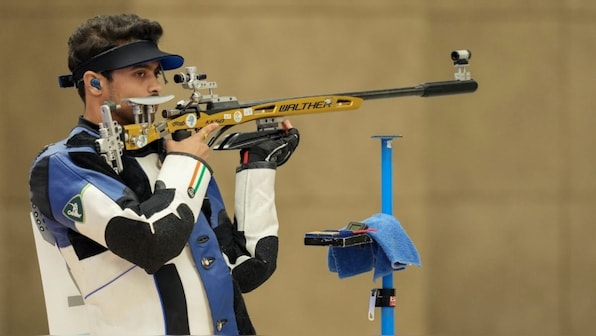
[123,56]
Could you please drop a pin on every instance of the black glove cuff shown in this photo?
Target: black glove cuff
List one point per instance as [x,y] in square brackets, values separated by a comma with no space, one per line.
[257,165]
[253,154]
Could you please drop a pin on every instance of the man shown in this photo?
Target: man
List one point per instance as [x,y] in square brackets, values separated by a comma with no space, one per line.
[149,256]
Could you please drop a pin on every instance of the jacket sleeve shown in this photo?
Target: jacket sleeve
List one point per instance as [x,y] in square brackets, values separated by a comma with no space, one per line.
[100,207]
[251,243]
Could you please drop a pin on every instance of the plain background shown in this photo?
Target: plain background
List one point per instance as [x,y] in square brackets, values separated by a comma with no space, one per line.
[497,189]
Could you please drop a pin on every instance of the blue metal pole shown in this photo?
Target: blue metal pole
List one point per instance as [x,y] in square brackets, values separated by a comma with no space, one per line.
[387,313]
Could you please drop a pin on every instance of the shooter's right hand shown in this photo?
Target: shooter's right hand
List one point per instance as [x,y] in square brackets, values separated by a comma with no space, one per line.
[195,144]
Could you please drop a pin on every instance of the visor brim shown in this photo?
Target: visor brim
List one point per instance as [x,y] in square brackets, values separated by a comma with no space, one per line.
[123,56]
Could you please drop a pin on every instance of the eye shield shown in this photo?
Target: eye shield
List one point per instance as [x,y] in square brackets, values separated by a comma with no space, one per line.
[126,55]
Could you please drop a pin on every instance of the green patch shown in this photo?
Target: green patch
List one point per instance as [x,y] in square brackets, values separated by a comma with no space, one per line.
[74,209]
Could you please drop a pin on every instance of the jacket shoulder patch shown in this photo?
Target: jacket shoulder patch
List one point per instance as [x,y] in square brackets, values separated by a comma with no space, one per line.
[74,209]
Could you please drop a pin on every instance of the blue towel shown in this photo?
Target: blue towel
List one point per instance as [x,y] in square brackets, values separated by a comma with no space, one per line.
[391,250]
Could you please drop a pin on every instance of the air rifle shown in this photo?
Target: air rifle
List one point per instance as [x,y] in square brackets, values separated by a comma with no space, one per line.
[205,107]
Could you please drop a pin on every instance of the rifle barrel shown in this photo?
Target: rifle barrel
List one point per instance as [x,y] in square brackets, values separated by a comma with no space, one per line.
[431,89]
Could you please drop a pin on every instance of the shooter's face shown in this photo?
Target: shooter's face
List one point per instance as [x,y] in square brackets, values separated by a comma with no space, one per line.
[132,82]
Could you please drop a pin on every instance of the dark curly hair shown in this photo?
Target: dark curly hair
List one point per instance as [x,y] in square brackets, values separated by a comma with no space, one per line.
[104,32]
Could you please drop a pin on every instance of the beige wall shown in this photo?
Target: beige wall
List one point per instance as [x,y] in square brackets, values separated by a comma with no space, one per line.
[496,188]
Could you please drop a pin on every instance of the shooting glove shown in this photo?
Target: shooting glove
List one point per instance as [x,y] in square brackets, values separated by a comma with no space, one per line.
[270,153]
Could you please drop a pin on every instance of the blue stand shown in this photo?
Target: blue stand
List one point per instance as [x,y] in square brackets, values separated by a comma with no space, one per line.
[387,313]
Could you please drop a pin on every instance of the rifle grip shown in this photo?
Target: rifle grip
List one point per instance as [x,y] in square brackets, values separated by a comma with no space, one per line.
[180,135]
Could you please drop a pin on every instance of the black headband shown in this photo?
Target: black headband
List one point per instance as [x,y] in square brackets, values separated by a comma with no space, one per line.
[134,53]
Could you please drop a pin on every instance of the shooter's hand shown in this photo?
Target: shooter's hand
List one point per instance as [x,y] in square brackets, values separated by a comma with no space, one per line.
[274,151]
[195,144]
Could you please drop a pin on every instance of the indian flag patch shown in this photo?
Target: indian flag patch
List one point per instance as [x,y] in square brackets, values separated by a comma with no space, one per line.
[197,178]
